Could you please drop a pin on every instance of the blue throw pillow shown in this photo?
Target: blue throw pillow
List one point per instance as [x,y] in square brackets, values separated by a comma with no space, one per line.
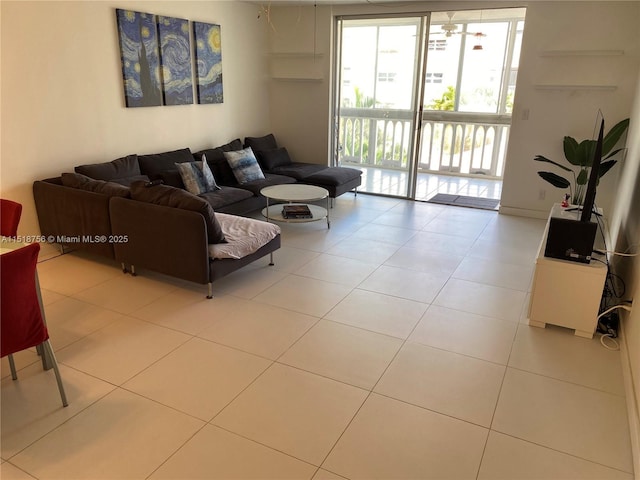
[244,165]
[197,177]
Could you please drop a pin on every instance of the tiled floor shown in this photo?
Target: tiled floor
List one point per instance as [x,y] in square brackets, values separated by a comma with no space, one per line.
[395,182]
[394,345]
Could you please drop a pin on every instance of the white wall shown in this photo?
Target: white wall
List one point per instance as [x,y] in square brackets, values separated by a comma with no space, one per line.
[625,229]
[552,114]
[301,110]
[62,92]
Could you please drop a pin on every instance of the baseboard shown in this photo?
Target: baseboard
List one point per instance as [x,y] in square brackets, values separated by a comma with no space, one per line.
[631,399]
[523,212]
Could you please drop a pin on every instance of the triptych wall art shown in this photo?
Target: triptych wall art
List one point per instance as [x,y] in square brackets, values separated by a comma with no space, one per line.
[156,60]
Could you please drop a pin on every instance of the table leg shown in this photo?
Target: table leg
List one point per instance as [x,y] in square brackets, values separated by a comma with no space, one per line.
[328,221]
[47,364]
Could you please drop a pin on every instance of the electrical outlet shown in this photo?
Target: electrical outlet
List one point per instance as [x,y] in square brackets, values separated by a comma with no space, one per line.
[542,194]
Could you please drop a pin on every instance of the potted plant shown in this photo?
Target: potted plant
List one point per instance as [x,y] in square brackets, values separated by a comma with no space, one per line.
[580,155]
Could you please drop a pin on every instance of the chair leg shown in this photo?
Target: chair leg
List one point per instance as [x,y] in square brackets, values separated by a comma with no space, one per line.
[12,366]
[49,352]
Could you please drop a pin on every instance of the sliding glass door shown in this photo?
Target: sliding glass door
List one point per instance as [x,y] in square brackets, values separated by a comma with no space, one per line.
[380,59]
[425,94]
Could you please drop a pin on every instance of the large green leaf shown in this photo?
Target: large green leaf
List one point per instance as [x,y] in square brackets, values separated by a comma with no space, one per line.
[583,178]
[540,158]
[555,180]
[585,153]
[605,167]
[613,153]
[570,146]
[612,137]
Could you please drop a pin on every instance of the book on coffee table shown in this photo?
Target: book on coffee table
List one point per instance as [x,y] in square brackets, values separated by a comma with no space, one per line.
[296,211]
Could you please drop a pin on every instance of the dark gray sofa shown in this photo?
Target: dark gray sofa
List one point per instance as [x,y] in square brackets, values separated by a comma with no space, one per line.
[95,200]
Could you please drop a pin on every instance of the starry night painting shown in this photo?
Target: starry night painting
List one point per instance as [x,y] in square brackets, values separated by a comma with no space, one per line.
[140,59]
[175,61]
[208,62]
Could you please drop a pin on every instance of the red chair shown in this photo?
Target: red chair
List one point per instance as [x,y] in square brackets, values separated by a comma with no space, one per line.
[10,212]
[22,321]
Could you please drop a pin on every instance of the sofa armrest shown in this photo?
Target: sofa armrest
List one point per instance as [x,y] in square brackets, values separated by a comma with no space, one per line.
[72,215]
[167,240]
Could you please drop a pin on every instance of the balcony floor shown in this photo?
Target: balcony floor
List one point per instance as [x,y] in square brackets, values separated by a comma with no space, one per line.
[394,183]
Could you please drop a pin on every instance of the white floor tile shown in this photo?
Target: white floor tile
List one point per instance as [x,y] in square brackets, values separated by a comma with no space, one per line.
[80,272]
[490,301]
[366,250]
[121,350]
[556,352]
[390,439]
[285,405]
[331,268]
[202,377]
[125,293]
[304,295]
[499,274]
[506,458]
[31,406]
[11,472]
[379,313]
[440,243]
[572,419]
[466,333]
[69,320]
[256,328]
[424,260]
[347,354]
[444,382]
[90,445]
[407,284]
[214,453]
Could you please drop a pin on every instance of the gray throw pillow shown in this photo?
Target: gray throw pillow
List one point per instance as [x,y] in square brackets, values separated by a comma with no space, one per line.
[197,176]
[178,198]
[244,165]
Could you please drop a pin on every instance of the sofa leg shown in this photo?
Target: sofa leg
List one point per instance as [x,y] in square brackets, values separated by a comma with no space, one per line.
[124,268]
[271,259]
[133,271]
[210,288]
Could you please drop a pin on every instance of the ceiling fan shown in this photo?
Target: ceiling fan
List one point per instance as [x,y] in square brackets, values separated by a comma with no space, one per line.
[450,28]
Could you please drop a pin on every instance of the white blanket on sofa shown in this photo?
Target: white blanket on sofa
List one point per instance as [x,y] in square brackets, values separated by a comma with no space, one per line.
[244,236]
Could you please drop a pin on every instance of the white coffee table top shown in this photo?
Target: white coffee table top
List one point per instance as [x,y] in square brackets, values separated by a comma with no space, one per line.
[295,192]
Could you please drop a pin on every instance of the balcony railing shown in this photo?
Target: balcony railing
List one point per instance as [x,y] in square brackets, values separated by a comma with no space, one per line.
[451,142]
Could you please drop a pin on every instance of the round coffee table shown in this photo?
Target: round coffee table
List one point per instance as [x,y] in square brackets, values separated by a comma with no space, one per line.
[295,194]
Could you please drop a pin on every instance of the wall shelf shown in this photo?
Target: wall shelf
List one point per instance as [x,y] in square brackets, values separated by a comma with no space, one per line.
[581,53]
[606,88]
[296,54]
[296,79]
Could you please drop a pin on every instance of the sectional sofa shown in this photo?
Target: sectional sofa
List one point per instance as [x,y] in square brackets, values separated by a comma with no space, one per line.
[135,209]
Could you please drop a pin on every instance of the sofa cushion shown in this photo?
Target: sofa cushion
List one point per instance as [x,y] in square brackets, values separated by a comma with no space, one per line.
[154,164]
[244,165]
[171,178]
[197,177]
[260,144]
[119,169]
[82,182]
[333,176]
[270,159]
[177,198]
[298,170]
[270,179]
[218,164]
[226,196]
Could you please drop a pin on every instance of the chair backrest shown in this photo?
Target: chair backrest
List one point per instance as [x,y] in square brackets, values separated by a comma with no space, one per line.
[21,320]
[10,212]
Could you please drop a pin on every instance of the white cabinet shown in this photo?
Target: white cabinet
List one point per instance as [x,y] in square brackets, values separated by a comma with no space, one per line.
[566,293]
